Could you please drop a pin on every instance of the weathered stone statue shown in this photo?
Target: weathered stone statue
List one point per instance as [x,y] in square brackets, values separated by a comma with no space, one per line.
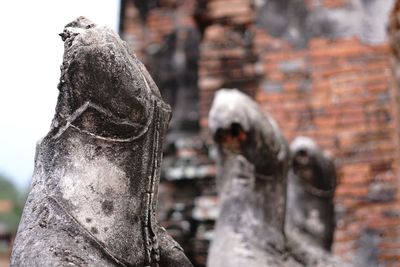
[310,215]
[253,164]
[94,190]
[254,160]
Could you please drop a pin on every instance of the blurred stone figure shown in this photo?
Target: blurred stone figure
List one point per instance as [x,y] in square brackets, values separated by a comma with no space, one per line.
[310,215]
[94,190]
[253,164]
[254,160]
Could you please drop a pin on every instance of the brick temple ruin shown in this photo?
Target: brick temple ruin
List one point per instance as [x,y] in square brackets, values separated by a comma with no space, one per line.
[321,68]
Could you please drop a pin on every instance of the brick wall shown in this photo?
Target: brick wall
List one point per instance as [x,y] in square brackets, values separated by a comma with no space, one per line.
[146,29]
[227,55]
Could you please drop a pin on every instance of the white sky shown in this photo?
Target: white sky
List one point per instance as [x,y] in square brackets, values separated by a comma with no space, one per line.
[30,59]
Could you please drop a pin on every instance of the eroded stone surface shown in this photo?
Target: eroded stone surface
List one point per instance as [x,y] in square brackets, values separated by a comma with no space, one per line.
[253,164]
[254,160]
[311,186]
[94,190]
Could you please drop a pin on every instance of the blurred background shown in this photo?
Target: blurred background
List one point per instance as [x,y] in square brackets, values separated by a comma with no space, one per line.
[326,69]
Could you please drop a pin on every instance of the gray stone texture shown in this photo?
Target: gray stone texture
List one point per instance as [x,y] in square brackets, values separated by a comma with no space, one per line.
[253,164]
[252,182]
[310,214]
[94,191]
[298,22]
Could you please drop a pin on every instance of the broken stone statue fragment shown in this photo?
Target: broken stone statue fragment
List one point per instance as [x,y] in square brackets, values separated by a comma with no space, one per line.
[310,215]
[310,212]
[253,164]
[253,160]
[94,189]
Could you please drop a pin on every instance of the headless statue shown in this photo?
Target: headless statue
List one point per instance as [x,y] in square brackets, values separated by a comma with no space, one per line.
[253,160]
[95,184]
[253,164]
[311,185]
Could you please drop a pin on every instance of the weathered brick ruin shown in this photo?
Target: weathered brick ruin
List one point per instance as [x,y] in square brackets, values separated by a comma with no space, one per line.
[320,68]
